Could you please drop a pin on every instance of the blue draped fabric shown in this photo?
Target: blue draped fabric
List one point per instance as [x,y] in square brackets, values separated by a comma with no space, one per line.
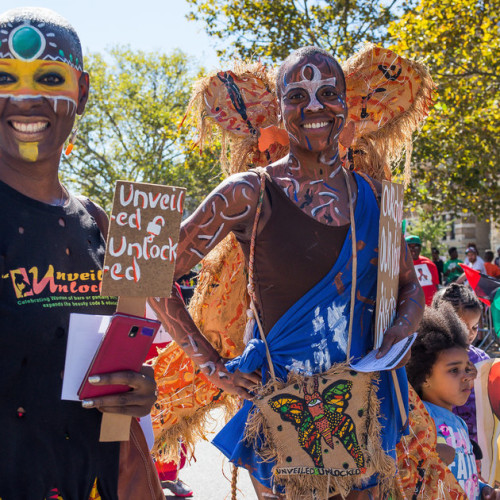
[312,335]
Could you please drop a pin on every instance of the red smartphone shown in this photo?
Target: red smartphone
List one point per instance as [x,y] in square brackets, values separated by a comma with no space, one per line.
[124,346]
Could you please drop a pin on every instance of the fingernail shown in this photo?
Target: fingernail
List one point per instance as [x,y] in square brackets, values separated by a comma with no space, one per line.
[87,403]
[94,379]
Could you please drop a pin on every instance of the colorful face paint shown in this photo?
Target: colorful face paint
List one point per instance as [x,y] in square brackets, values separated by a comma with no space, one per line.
[39,88]
[55,81]
[313,102]
[311,86]
[29,42]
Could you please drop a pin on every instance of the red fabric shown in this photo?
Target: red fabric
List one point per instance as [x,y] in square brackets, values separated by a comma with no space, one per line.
[485,287]
[492,270]
[169,471]
[428,277]
[152,353]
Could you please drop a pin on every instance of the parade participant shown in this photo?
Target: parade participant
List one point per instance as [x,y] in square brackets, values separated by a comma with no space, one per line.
[491,269]
[302,257]
[425,269]
[440,371]
[51,256]
[473,260]
[497,258]
[451,269]
[469,309]
[439,263]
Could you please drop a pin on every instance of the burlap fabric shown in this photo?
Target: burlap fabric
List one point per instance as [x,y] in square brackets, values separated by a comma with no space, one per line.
[322,431]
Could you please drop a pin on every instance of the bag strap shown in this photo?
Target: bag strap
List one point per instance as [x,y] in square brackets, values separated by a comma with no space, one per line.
[262,173]
[251,286]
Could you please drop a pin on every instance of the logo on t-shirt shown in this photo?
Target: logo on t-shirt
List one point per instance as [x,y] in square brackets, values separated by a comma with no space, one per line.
[56,289]
[423,274]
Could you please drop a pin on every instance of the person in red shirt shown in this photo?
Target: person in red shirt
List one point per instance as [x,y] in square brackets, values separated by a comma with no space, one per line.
[491,269]
[425,269]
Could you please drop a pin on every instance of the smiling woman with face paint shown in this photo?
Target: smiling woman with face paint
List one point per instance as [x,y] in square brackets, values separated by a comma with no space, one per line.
[302,260]
[51,253]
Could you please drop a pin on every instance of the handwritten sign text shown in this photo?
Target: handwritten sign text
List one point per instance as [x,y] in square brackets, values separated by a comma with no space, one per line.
[142,241]
[389,246]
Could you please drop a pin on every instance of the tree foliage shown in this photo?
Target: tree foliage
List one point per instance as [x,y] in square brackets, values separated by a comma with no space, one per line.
[456,154]
[271,29]
[457,151]
[131,131]
[431,229]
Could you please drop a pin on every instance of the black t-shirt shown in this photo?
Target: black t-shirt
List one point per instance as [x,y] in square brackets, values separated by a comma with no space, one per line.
[50,264]
[440,267]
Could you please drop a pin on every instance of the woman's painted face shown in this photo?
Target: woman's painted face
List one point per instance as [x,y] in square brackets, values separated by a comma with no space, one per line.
[313,103]
[39,98]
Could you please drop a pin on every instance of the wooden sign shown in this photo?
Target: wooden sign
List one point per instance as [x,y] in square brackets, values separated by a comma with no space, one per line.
[142,240]
[389,247]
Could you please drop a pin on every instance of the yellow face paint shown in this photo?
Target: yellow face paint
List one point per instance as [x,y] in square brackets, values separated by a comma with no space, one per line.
[29,151]
[33,79]
[56,81]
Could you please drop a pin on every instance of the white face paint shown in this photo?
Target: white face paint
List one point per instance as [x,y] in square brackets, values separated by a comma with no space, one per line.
[54,101]
[312,86]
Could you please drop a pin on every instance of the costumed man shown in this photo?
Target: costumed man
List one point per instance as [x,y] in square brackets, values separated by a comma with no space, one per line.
[51,257]
[427,272]
[293,222]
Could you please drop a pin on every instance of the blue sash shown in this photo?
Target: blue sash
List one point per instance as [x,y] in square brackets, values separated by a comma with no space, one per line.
[312,335]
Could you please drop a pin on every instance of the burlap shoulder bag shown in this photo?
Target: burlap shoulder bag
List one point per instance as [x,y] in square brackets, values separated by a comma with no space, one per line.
[322,430]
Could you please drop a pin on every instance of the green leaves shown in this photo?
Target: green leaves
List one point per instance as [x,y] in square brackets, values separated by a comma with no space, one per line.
[272,29]
[455,158]
[456,155]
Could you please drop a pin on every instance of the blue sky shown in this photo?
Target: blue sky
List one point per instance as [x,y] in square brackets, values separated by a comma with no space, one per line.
[151,25]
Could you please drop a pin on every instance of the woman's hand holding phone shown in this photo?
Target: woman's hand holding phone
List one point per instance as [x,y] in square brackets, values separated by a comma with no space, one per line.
[137,402]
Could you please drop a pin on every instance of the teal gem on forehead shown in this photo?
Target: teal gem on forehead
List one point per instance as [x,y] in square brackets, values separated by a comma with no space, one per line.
[27,43]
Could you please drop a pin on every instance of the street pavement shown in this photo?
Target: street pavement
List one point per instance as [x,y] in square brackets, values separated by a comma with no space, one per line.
[210,475]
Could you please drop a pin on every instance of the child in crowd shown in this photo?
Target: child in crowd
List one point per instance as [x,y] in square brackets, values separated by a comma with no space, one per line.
[468,307]
[442,375]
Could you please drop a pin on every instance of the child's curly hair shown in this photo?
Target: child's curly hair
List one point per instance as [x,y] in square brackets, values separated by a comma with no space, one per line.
[439,330]
[461,297]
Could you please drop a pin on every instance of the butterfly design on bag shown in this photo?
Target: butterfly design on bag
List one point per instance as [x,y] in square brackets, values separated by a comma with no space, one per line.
[318,416]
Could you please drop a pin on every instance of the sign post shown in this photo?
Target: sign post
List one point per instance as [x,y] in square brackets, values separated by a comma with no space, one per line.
[140,259]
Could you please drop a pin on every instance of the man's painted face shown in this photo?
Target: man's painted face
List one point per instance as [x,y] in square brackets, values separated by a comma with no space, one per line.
[40,91]
[313,102]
